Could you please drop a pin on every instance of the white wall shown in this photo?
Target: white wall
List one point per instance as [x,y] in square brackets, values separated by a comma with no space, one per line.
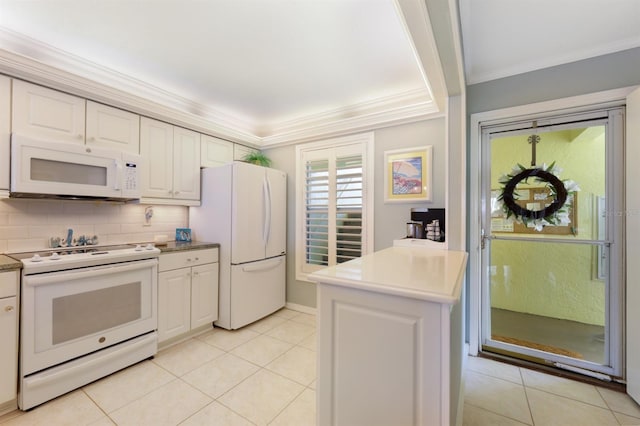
[390,219]
[26,225]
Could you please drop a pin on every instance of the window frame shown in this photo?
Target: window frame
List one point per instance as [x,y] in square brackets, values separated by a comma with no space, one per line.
[364,143]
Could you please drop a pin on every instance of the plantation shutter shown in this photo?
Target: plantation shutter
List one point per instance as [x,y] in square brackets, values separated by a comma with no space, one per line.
[333,196]
[348,208]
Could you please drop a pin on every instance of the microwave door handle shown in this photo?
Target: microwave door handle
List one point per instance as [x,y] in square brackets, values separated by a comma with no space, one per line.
[116,184]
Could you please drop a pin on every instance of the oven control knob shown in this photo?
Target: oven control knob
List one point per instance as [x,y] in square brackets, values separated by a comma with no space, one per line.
[138,247]
[149,246]
[36,258]
[54,256]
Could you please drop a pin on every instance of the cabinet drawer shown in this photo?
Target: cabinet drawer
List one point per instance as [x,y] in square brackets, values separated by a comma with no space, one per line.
[184,259]
[8,283]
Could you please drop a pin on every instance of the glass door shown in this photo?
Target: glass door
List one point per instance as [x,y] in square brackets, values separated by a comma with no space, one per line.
[551,290]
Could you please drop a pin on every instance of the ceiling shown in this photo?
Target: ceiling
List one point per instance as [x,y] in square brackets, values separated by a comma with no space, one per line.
[271,71]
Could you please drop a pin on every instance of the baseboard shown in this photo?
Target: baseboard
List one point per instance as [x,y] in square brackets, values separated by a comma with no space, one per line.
[300,308]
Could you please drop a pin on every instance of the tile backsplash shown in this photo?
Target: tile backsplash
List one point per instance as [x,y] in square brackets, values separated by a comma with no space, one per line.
[26,225]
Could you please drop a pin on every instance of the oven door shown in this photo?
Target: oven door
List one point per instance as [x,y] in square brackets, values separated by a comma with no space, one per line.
[71,313]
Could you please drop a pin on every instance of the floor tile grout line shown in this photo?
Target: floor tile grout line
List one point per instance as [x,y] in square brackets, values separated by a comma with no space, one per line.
[287,405]
[526,396]
[496,413]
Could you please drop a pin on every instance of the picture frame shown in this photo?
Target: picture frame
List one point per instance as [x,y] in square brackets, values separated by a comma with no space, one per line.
[183,234]
[408,174]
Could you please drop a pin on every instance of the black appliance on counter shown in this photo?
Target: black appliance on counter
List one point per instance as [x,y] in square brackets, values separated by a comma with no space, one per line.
[426,216]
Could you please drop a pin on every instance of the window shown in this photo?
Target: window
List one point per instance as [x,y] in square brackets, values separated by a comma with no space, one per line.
[335,202]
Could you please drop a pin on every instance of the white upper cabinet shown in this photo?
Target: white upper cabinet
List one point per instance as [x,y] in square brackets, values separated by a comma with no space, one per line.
[172,163]
[186,164]
[47,114]
[215,152]
[5,129]
[239,151]
[113,128]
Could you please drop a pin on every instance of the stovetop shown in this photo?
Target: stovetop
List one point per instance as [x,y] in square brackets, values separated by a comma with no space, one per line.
[76,257]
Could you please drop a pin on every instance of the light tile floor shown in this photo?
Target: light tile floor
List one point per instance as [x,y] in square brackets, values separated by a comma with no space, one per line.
[265,374]
[262,374]
[506,395]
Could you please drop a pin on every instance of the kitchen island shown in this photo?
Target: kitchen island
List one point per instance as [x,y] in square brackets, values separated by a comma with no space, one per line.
[390,338]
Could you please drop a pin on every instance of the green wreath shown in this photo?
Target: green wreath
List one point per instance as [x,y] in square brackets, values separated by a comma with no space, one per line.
[556,213]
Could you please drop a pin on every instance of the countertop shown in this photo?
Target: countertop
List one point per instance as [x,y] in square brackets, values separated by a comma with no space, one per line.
[180,246]
[415,272]
[8,263]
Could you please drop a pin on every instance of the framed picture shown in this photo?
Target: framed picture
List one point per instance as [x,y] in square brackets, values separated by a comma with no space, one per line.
[183,234]
[407,177]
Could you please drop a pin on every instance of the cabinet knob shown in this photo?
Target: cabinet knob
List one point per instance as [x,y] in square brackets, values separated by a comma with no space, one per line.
[188,259]
[80,136]
[176,192]
[8,308]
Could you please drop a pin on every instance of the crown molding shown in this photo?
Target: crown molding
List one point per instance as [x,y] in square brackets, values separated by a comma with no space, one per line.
[384,112]
[25,58]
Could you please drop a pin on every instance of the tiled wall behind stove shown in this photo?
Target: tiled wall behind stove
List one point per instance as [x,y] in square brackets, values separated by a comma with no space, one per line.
[27,225]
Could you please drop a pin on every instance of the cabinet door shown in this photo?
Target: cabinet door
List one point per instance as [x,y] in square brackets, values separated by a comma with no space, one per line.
[156,149]
[215,152]
[8,349]
[186,164]
[174,303]
[239,151]
[204,294]
[5,130]
[112,128]
[47,114]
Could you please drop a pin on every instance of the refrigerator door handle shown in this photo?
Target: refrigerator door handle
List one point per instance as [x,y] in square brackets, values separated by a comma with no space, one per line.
[263,265]
[266,193]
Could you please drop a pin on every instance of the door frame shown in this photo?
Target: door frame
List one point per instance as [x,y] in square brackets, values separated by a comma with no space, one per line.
[582,103]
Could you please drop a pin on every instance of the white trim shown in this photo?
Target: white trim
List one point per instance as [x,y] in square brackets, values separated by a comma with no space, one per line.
[301,308]
[366,140]
[575,103]
[63,71]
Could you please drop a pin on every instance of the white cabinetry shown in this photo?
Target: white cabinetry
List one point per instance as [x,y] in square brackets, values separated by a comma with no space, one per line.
[215,152]
[172,163]
[5,132]
[390,342]
[50,115]
[9,347]
[240,151]
[47,114]
[112,128]
[187,292]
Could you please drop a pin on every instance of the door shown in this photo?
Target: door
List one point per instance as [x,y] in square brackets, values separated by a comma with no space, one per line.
[633,244]
[277,232]
[47,114]
[174,303]
[186,164]
[5,131]
[552,281]
[204,294]
[258,290]
[112,128]
[249,212]
[9,348]
[156,149]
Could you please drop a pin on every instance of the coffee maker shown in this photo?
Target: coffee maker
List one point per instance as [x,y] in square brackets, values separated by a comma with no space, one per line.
[427,223]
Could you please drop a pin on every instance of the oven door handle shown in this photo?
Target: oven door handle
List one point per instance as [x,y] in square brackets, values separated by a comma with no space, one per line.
[76,274]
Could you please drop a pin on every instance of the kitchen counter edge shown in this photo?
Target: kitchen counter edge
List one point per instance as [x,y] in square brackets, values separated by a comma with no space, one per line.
[342,274]
[8,263]
[173,246]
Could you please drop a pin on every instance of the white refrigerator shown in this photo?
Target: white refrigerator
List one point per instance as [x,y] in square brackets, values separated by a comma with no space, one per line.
[244,210]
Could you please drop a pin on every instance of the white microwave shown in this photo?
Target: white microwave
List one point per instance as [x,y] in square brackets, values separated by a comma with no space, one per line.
[42,169]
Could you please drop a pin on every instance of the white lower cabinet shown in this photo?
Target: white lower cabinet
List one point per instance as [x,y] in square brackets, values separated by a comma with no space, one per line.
[387,360]
[187,292]
[9,347]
